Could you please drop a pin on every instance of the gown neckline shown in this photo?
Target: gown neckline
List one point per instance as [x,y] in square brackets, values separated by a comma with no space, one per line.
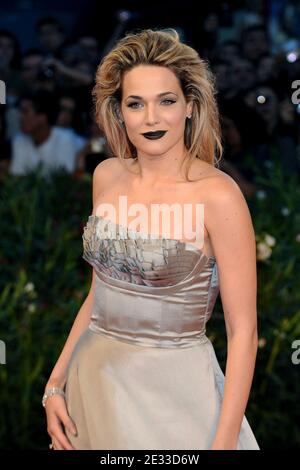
[148,236]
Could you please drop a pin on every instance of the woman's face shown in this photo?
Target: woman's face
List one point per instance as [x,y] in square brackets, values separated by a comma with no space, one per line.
[152,100]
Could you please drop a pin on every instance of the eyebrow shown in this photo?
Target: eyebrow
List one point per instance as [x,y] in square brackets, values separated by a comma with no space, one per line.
[136,97]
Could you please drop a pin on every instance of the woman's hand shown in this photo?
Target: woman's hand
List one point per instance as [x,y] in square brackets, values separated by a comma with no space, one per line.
[58,420]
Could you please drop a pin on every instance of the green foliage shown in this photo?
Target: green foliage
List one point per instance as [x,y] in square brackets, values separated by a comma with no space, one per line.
[276,390]
[43,282]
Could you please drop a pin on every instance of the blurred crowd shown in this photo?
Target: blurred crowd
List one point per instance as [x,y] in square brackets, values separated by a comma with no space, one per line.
[47,118]
[255,69]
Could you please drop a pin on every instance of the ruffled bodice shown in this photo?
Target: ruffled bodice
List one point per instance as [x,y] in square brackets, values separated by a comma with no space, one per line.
[136,257]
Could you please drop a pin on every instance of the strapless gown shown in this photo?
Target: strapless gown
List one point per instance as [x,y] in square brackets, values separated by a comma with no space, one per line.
[144,375]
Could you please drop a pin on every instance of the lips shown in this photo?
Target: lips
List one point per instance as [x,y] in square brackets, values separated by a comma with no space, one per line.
[154,135]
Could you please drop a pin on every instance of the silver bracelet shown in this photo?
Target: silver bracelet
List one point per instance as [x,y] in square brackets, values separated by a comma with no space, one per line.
[50,392]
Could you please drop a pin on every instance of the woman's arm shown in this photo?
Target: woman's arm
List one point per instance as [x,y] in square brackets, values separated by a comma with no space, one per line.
[58,374]
[82,77]
[58,418]
[232,235]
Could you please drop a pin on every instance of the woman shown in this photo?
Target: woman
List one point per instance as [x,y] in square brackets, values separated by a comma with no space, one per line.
[137,370]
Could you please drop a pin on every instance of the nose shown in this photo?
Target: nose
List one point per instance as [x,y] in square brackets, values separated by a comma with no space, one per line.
[152,115]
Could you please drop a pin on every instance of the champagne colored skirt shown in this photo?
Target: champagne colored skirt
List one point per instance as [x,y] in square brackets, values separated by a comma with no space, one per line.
[122,395]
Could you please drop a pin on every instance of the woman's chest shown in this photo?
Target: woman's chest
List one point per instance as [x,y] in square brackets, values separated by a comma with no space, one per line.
[175,211]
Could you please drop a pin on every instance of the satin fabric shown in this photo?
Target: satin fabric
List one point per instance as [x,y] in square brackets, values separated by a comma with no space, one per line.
[144,375]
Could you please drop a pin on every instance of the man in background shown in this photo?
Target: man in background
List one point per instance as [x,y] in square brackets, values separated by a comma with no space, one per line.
[40,142]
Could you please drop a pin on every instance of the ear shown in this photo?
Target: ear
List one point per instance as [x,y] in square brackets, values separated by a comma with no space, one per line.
[189,109]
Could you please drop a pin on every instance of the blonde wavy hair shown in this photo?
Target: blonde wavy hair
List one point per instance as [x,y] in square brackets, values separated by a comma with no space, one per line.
[202,135]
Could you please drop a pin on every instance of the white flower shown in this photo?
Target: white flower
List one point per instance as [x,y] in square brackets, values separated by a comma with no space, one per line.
[29,287]
[269,240]
[298,238]
[262,342]
[285,211]
[261,194]
[31,308]
[263,251]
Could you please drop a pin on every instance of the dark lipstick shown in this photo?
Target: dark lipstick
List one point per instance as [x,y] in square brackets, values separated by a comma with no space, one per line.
[154,135]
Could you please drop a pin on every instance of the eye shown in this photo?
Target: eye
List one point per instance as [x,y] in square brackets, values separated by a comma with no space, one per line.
[168,101]
[136,104]
[133,105]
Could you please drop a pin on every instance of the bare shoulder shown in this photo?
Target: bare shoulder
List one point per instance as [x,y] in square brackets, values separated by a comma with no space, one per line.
[223,199]
[105,172]
[228,223]
[111,166]
[223,189]
[106,167]
[225,206]
[217,184]
[108,174]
